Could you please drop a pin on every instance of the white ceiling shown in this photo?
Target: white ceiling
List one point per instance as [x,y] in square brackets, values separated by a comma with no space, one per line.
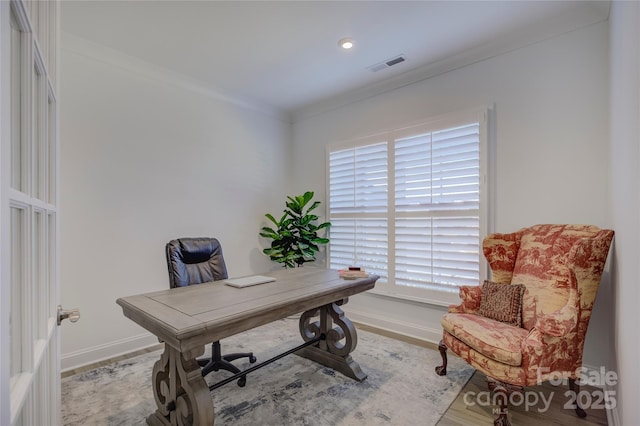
[285,54]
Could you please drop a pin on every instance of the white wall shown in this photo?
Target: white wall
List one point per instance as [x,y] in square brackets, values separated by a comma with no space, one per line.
[625,201]
[551,103]
[145,160]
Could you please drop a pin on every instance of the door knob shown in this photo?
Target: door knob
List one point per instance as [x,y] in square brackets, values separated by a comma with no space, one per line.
[72,314]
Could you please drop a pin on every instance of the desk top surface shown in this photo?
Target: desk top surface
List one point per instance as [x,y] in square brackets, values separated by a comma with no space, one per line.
[199,314]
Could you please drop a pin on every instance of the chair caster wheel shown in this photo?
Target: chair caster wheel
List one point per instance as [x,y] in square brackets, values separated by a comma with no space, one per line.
[252,359]
[242,381]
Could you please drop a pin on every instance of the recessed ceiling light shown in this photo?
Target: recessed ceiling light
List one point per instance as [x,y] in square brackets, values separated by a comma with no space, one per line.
[346,43]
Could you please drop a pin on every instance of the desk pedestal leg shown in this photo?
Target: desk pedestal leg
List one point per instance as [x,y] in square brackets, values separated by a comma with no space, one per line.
[181,394]
[339,343]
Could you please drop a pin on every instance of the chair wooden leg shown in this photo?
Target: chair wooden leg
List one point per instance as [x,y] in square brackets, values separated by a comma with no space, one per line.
[502,391]
[441,370]
[576,390]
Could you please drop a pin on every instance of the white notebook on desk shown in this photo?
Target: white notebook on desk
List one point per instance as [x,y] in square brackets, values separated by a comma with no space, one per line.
[248,281]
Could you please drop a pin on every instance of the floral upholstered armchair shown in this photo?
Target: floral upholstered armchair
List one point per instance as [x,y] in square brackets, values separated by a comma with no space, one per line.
[528,324]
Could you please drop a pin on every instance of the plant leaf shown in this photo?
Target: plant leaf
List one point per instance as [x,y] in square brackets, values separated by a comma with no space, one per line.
[295,240]
[271,218]
[313,206]
[307,197]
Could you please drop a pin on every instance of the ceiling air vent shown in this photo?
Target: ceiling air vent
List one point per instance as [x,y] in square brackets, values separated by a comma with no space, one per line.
[386,64]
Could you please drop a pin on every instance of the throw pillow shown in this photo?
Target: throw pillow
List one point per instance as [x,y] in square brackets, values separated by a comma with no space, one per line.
[502,302]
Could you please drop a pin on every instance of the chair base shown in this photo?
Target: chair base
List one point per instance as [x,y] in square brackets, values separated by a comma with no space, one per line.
[573,387]
[223,362]
[503,390]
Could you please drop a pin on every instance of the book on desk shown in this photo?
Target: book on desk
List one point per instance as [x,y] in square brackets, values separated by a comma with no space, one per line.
[248,281]
[352,273]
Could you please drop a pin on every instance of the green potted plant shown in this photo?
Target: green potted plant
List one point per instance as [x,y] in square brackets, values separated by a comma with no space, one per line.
[295,236]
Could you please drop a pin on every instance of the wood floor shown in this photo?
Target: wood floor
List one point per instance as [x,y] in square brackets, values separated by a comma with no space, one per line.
[472,410]
[469,411]
[463,414]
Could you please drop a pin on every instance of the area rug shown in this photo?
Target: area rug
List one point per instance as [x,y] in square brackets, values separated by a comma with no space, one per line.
[401,387]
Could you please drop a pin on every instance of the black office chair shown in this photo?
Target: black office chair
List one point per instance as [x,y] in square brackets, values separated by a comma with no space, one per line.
[196,261]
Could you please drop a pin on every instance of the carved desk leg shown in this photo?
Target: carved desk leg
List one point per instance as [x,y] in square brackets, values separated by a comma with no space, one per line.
[181,394]
[331,352]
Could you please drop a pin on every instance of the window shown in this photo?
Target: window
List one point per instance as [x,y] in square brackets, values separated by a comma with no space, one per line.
[410,205]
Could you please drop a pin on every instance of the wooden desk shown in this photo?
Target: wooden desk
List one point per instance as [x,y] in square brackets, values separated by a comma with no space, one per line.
[189,318]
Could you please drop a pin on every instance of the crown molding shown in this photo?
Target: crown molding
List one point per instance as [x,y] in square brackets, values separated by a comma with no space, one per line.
[115,58]
[561,24]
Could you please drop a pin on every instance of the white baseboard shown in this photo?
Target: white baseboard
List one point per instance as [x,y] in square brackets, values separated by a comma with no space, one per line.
[98,353]
[613,418]
[435,335]
[415,331]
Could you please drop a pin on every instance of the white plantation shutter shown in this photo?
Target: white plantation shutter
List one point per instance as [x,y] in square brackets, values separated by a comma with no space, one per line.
[438,171]
[437,252]
[358,179]
[437,203]
[358,208]
[361,242]
[410,209]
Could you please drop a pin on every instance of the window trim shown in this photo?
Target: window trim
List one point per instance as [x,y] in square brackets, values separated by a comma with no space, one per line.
[484,116]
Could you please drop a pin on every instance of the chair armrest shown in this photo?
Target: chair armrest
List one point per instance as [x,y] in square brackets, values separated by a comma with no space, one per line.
[470,297]
[547,342]
[501,251]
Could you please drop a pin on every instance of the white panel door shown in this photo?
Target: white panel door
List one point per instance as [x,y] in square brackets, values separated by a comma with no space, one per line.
[29,341]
